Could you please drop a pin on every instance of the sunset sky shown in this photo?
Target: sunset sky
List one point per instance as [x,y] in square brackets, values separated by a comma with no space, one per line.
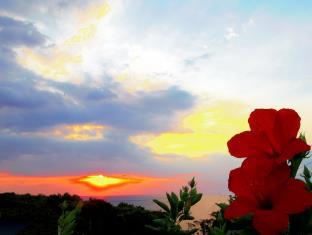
[142,95]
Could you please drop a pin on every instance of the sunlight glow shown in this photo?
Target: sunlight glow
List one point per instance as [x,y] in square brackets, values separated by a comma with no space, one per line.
[60,61]
[52,64]
[204,132]
[81,132]
[91,185]
[104,182]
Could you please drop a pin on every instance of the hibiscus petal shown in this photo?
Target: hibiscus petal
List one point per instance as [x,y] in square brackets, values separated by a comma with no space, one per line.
[239,207]
[293,197]
[266,121]
[270,222]
[262,120]
[248,144]
[238,183]
[258,167]
[289,123]
[279,176]
[258,174]
[292,149]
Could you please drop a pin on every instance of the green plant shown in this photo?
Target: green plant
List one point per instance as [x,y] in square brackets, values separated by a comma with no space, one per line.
[179,209]
[302,222]
[67,221]
[218,225]
[296,160]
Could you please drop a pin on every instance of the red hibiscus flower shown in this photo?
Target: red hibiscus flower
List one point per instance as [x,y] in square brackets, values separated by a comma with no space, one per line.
[265,190]
[273,134]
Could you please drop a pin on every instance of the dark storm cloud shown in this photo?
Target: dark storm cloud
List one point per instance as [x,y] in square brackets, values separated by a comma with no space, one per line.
[166,101]
[28,108]
[23,7]
[13,146]
[15,32]
[83,92]
[35,155]
[23,95]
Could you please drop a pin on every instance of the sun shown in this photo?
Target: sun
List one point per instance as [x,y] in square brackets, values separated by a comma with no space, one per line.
[101,182]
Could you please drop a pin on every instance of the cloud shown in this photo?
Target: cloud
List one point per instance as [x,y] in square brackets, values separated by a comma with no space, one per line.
[34,111]
[27,8]
[41,120]
[202,133]
[84,132]
[85,92]
[71,132]
[44,155]
[231,34]
[32,108]
[136,72]
[17,33]
[22,94]
[62,61]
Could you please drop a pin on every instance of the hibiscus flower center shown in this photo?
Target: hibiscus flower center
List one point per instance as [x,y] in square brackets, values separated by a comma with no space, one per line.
[266,204]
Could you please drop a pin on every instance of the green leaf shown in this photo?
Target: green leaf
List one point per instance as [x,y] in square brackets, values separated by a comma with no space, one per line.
[173,201]
[170,200]
[297,159]
[180,206]
[162,205]
[185,188]
[306,172]
[193,192]
[184,196]
[196,198]
[174,198]
[192,183]
[222,206]
[67,221]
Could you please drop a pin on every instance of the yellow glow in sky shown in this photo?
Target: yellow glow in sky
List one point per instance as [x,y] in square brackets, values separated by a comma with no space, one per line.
[58,62]
[82,35]
[81,132]
[133,83]
[55,64]
[94,12]
[204,132]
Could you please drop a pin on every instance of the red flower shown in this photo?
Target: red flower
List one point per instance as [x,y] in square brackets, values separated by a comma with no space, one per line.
[273,134]
[265,190]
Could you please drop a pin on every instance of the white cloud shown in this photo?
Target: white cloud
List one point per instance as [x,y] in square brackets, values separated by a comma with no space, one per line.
[261,66]
[231,34]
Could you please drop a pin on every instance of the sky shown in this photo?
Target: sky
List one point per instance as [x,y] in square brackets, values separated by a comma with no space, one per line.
[137,97]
